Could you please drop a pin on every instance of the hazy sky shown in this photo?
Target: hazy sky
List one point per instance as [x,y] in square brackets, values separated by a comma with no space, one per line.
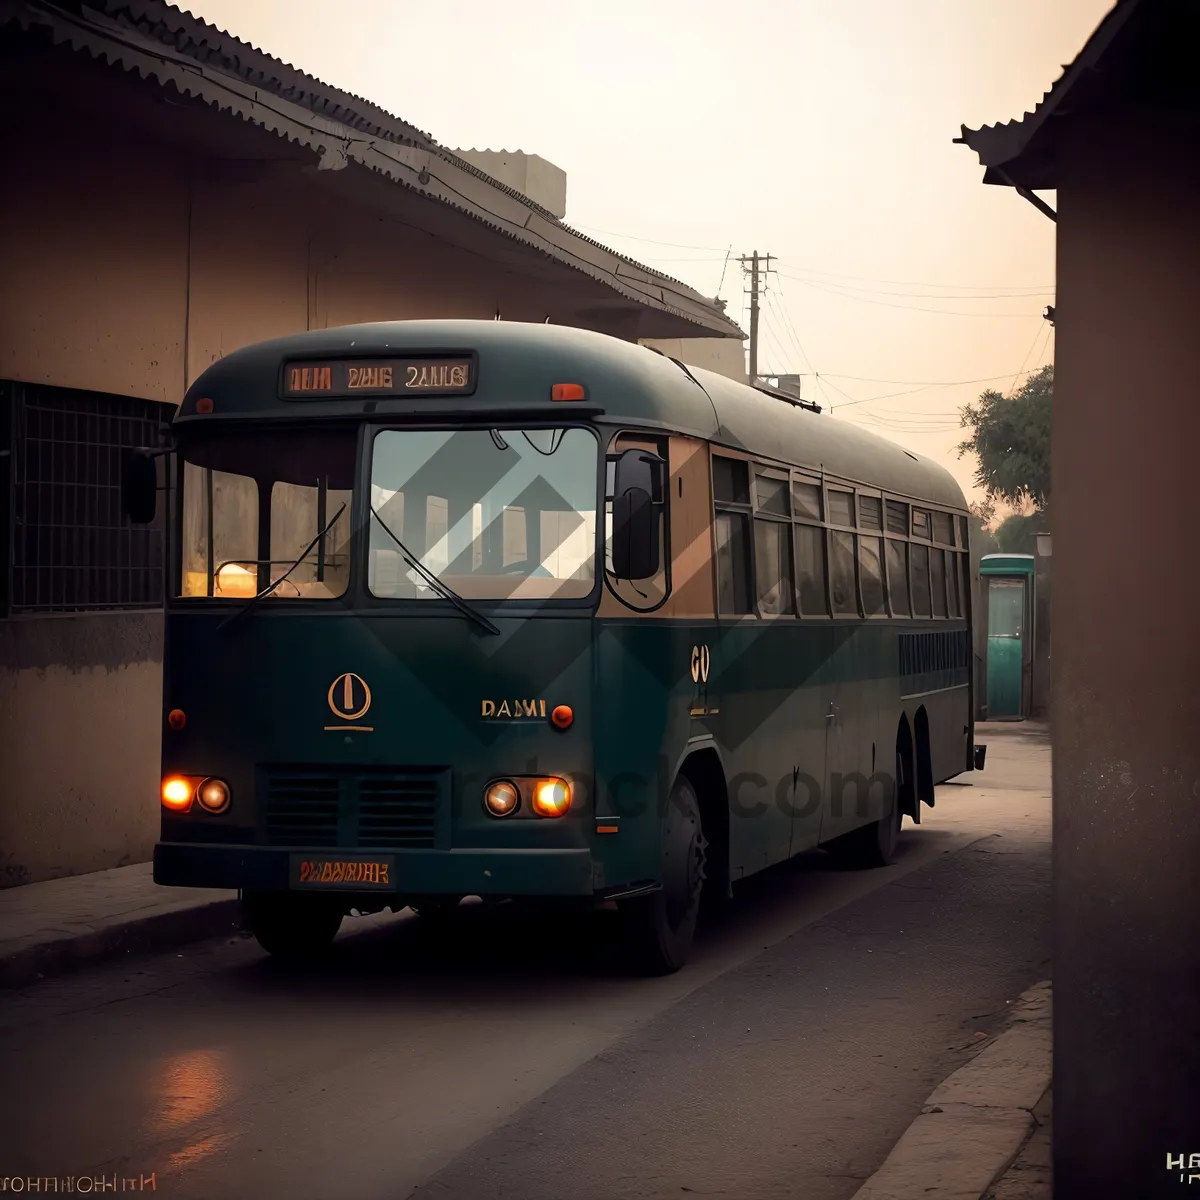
[816,130]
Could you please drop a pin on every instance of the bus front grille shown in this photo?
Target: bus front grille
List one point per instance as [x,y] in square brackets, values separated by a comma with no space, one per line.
[397,810]
[302,810]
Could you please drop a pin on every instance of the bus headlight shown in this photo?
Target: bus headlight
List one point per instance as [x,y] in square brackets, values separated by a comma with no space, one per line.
[213,795]
[551,797]
[501,798]
[177,792]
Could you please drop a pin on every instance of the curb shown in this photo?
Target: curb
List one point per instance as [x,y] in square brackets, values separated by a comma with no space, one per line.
[155,931]
[976,1121]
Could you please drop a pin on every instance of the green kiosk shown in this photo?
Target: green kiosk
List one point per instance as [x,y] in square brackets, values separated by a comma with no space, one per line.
[1008,585]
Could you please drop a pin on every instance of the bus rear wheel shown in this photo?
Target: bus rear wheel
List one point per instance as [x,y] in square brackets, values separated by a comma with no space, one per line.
[290,927]
[873,845]
[659,928]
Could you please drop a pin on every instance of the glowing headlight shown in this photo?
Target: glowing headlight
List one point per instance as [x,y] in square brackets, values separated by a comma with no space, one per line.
[551,797]
[177,793]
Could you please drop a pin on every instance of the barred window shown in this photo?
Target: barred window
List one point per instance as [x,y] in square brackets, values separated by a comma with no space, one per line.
[72,550]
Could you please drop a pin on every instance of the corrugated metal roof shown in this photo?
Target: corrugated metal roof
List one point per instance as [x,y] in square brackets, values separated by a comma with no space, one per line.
[160,42]
[1000,146]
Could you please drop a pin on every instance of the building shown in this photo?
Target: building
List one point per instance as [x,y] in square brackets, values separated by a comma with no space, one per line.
[174,194]
[1118,138]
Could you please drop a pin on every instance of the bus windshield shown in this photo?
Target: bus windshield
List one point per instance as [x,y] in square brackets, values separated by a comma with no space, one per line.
[494,514]
[251,503]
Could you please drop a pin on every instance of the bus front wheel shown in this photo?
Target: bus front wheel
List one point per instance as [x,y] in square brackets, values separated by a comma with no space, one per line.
[291,927]
[660,927]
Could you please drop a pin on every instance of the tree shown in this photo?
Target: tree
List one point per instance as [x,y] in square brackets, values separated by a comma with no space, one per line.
[1017,534]
[1010,435]
[983,540]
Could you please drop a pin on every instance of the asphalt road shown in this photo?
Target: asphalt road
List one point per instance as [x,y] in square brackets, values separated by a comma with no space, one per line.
[507,1056]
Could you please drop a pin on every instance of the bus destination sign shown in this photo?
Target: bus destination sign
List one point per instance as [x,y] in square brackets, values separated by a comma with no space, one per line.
[379,377]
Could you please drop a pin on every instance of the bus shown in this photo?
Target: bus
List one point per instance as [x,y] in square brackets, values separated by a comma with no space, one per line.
[502,610]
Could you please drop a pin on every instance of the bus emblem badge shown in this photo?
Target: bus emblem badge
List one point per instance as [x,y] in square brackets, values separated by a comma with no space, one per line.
[700,664]
[349,699]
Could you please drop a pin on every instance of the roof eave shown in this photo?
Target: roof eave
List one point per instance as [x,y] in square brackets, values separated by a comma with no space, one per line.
[1020,153]
[422,167]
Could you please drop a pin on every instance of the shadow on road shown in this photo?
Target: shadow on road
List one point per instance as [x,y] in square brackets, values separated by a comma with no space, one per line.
[509,947]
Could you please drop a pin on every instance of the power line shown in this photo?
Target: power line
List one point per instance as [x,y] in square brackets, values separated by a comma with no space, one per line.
[1037,289]
[848,288]
[1036,336]
[946,312]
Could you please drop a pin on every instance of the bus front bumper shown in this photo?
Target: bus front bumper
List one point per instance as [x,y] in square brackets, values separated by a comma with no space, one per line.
[467,872]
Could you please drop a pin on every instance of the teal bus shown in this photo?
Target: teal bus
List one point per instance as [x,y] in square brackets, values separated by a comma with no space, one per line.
[463,608]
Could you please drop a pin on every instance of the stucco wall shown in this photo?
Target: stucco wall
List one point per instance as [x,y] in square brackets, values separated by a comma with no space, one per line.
[123,263]
[80,713]
[725,356]
[1125,701]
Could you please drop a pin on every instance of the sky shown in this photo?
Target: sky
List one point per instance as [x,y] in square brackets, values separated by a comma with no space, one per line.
[818,131]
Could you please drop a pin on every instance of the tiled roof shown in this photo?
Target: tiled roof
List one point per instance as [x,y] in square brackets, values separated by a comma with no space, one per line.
[158,41]
[1009,150]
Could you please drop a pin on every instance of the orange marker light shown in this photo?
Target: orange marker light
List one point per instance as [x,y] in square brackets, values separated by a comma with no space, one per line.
[562,716]
[177,719]
[177,792]
[568,391]
[204,405]
[551,797]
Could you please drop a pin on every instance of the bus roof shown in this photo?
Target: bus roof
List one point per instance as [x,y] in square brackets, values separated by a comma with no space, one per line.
[518,363]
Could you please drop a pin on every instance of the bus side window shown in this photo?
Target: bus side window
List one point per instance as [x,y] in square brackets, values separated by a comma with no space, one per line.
[773,545]
[731,502]
[870,556]
[842,553]
[810,548]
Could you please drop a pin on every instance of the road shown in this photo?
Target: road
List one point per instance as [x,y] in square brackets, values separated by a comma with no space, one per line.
[506,1056]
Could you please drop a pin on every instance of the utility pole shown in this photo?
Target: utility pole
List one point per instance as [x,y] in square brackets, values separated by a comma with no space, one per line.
[757,265]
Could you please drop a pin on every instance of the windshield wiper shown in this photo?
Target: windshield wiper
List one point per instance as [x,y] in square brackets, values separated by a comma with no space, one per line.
[241,612]
[434,582]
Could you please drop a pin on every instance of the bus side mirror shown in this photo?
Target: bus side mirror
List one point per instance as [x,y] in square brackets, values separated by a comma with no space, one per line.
[636,488]
[139,486]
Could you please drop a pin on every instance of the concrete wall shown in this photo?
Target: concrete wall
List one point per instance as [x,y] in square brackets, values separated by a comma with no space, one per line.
[725,356]
[1126,705]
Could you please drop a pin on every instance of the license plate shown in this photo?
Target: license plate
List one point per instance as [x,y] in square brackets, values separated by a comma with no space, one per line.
[342,872]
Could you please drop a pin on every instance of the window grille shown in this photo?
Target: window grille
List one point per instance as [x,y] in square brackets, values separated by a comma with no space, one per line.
[72,550]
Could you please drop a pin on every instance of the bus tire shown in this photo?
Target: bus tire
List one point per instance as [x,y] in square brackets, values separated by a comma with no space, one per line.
[873,845]
[289,927]
[659,928]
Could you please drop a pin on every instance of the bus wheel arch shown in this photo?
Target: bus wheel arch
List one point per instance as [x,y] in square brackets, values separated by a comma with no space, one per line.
[924,757]
[906,782]
[704,771]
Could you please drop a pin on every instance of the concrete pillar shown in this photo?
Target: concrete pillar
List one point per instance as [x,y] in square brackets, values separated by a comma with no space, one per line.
[1126,702]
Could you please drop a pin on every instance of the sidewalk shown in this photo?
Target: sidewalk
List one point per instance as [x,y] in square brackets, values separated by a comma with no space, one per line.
[47,928]
[984,1133]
